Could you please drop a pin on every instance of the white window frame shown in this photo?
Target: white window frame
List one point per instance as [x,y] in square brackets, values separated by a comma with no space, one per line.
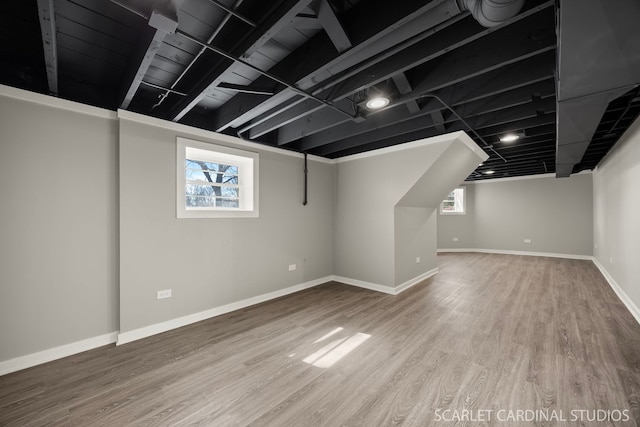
[463,201]
[248,172]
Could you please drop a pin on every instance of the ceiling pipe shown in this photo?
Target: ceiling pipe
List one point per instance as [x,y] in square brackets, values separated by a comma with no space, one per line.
[464,122]
[490,13]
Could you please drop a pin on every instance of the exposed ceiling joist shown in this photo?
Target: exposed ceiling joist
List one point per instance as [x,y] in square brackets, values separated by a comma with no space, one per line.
[404,87]
[280,17]
[438,121]
[365,76]
[331,24]
[477,121]
[321,62]
[246,89]
[298,111]
[146,58]
[47,17]
[515,42]
[457,66]
[490,84]
[232,12]
[515,126]
[399,125]
[450,39]
[298,73]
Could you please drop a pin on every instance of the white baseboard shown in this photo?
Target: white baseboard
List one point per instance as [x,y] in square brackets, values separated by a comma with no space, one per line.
[158,328]
[366,285]
[409,283]
[635,311]
[507,252]
[33,359]
[386,289]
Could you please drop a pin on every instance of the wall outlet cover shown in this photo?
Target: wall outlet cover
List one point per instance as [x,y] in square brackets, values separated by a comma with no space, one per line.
[165,293]
[292,267]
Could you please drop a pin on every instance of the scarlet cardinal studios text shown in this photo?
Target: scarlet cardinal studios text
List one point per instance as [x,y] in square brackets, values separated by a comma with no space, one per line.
[528,415]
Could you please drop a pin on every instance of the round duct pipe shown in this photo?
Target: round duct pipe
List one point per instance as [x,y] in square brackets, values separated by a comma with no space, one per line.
[490,13]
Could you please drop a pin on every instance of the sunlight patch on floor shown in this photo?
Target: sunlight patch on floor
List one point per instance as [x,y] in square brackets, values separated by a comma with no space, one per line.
[331,353]
[335,331]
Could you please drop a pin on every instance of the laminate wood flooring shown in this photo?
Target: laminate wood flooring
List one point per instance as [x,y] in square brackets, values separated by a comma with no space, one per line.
[489,333]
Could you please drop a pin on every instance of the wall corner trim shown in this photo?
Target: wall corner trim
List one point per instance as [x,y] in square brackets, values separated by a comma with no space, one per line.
[386,289]
[147,331]
[635,311]
[49,355]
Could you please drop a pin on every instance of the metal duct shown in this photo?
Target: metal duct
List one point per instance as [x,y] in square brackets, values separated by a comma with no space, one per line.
[598,60]
[490,13]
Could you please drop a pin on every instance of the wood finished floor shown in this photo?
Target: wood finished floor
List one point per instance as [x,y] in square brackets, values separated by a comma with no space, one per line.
[488,332]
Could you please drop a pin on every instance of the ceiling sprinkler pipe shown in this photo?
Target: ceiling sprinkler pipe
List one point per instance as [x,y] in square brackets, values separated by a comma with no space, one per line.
[490,13]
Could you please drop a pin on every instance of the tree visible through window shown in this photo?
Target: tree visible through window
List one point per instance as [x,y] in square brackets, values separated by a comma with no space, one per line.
[211,184]
[454,204]
[215,181]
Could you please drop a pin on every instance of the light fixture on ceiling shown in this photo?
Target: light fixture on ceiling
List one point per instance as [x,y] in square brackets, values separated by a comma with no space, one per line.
[377,102]
[509,137]
[489,172]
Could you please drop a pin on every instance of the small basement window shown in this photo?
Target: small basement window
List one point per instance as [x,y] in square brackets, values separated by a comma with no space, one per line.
[454,204]
[215,181]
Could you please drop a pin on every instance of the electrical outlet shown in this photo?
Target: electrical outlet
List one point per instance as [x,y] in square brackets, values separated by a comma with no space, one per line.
[455,239]
[611,260]
[527,240]
[596,245]
[292,267]
[417,260]
[166,293]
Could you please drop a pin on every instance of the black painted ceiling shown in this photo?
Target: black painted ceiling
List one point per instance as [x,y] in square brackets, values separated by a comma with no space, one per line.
[296,74]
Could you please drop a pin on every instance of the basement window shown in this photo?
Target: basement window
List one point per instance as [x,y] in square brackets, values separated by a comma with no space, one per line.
[454,204]
[214,181]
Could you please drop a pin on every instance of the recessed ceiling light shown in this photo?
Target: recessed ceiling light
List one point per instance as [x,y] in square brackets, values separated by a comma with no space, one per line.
[377,102]
[491,172]
[509,137]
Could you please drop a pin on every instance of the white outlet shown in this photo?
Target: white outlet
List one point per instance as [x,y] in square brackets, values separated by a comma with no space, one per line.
[292,267]
[527,240]
[611,259]
[166,293]
[417,260]
[455,239]
[596,245]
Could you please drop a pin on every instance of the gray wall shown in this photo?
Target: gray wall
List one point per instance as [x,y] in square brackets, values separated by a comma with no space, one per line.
[211,262]
[556,214]
[367,192]
[370,190]
[415,236]
[616,206]
[58,251]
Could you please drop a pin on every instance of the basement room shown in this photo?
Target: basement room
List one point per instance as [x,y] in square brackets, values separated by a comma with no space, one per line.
[320,213]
